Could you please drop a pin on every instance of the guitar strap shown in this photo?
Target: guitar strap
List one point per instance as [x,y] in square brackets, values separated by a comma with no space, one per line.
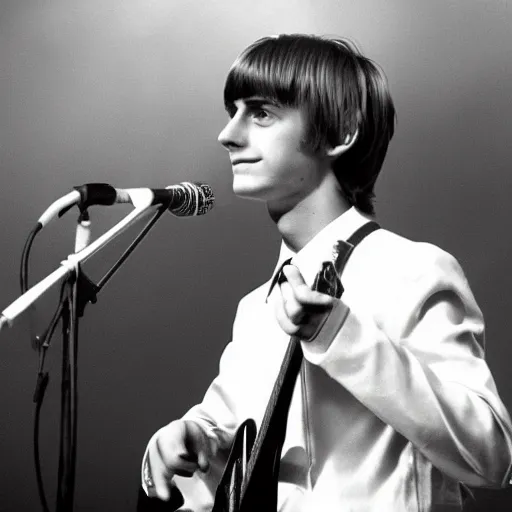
[255,490]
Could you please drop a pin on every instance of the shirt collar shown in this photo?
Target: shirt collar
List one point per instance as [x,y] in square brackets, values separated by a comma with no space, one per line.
[320,248]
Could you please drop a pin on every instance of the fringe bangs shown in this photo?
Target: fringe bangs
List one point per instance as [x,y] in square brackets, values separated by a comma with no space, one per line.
[265,69]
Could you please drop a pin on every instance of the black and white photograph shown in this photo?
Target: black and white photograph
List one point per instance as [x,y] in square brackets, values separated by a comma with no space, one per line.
[256,256]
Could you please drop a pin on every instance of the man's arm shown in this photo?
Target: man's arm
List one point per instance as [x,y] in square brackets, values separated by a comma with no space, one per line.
[420,368]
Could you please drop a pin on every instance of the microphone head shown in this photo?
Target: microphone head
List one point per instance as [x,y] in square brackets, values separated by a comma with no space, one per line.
[191,199]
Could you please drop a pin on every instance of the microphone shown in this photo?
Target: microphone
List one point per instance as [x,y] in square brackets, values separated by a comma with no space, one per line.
[184,200]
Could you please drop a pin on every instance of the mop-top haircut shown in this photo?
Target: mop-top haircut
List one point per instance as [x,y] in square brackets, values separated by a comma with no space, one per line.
[341,92]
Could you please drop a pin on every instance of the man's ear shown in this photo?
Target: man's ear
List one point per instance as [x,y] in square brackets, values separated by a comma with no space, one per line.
[336,151]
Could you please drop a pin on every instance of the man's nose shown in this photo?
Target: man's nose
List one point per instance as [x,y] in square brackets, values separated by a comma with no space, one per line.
[233,135]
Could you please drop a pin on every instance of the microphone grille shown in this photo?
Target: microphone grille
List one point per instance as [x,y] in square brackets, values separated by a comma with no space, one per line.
[197,199]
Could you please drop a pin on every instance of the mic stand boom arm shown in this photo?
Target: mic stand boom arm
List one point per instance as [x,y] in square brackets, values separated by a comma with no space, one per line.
[69,265]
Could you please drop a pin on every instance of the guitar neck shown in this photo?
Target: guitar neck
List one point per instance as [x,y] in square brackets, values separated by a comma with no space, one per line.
[274,419]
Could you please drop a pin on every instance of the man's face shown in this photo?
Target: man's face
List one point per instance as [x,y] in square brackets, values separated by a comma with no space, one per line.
[265,143]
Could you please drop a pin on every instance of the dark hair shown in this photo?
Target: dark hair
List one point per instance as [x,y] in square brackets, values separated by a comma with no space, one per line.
[341,92]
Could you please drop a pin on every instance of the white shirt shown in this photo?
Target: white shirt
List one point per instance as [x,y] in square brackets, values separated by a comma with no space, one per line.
[399,406]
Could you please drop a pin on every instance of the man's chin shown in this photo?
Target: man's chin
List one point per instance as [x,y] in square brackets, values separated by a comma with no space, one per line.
[249,193]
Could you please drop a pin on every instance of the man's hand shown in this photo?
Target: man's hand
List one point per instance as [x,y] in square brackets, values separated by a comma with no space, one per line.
[180,448]
[301,311]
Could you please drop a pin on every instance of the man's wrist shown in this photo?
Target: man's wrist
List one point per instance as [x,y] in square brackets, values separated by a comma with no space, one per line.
[328,329]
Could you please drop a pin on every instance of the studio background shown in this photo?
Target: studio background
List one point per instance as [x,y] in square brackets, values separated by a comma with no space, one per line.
[130,93]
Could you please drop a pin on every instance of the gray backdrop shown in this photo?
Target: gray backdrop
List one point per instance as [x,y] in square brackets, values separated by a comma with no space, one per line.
[130,93]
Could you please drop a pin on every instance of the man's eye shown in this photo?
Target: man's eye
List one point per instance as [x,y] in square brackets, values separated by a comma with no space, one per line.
[261,115]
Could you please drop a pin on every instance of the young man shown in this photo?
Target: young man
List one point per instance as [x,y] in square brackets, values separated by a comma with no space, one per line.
[395,406]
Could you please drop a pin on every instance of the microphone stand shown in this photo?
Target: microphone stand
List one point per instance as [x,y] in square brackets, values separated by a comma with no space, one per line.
[69,395]
[79,290]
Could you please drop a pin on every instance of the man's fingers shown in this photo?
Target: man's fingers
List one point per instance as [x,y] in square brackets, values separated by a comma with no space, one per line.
[180,448]
[203,461]
[175,459]
[293,309]
[284,321]
[301,291]
[300,310]
[293,275]
[198,445]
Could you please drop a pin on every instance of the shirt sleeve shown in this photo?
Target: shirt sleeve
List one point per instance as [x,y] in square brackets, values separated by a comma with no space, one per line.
[420,368]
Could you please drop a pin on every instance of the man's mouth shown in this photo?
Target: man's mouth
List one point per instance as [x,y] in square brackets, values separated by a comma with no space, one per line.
[237,161]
